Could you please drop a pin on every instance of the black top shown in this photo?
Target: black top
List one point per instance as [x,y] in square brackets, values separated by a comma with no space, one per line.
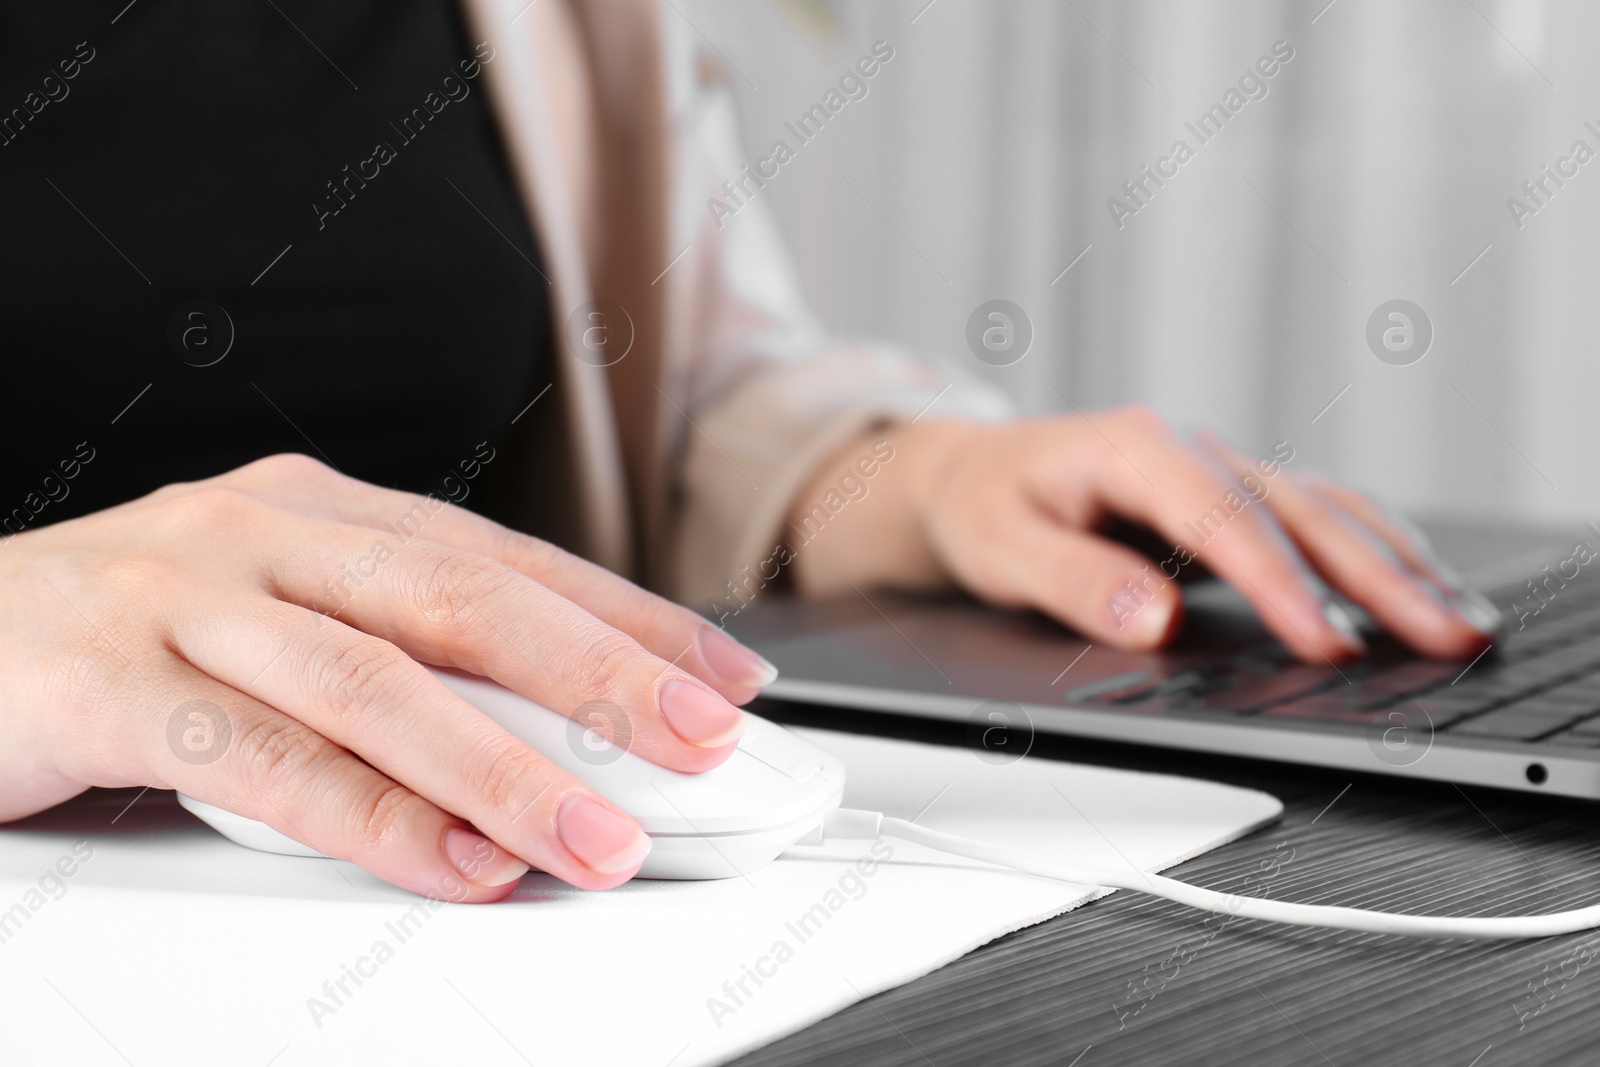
[327,175]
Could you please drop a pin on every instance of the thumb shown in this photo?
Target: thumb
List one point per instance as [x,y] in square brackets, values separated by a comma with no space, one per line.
[1105,591]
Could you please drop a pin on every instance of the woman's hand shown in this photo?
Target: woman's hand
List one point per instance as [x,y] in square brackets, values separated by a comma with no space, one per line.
[1012,511]
[299,605]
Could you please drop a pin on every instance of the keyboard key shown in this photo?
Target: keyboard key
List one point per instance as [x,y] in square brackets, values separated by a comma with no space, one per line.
[1578,700]
[1191,703]
[1573,655]
[1409,677]
[1587,683]
[1510,725]
[1542,681]
[1536,674]
[1331,707]
[1178,683]
[1543,704]
[1451,702]
[1253,690]
[1415,709]
[1109,688]
[1572,739]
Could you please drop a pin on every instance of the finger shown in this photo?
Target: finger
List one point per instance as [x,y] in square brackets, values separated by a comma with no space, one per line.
[444,606]
[1176,492]
[374,700]
[1360,563]
[1412,546]
[219,745]
[671,632]
[1105,591]
[1402,536]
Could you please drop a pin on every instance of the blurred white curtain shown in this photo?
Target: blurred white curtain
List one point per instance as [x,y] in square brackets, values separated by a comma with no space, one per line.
[1377,167]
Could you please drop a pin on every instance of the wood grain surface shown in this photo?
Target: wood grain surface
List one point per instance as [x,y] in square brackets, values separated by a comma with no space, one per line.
[1135,980]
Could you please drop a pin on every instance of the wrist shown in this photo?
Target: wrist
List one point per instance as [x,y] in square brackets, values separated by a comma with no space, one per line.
[862,518]
[930,449]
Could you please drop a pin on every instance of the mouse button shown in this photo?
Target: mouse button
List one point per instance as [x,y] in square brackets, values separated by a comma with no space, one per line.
[782,751]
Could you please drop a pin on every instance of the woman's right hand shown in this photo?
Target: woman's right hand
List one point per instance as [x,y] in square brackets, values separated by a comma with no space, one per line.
[296,607]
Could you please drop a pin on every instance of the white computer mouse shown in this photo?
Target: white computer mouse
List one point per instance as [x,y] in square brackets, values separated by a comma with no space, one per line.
[722,823]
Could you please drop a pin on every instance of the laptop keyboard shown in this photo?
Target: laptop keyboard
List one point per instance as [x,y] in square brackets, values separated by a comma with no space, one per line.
[1538,684]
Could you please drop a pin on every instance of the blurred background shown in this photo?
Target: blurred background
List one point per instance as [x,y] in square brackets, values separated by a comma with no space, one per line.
[1377,166]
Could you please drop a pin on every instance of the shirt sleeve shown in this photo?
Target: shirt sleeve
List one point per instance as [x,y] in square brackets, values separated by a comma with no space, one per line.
[766,394]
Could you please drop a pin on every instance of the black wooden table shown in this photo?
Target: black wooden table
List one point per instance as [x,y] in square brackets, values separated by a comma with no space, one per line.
[1135,980]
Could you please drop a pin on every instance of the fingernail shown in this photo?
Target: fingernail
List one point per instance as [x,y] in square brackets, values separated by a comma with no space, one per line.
[699,717]
[603,841]
[1482,615]
[1340,620]
[733,661]
[1155,621]
[479,861]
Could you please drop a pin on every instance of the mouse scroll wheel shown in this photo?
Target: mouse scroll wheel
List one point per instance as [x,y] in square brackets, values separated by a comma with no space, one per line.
[776,752]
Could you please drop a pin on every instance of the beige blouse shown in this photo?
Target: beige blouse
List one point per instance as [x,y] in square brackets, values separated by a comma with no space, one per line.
[676,463]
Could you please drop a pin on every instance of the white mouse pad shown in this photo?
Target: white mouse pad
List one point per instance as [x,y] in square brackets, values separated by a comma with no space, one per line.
[152,940]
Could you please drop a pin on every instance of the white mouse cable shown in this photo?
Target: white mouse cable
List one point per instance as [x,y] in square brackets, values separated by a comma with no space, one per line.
[848,824]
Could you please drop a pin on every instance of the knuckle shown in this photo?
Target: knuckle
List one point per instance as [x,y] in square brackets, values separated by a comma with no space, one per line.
[167,492]
[278,756]
[380,816]
[448,592]
[526,550]
[359,676]
[292,466]
[602,659]
[507,777]
[212,506]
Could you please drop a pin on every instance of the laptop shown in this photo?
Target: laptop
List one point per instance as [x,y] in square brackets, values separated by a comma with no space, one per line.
[1524,715]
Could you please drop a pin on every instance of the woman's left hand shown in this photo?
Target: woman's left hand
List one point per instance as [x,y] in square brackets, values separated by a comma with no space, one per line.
[1013,511]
